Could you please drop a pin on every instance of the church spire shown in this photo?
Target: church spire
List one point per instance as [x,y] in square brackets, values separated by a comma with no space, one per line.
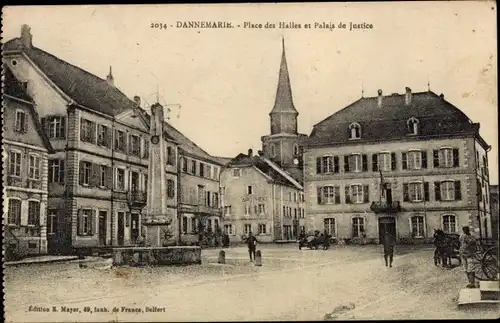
[284,101]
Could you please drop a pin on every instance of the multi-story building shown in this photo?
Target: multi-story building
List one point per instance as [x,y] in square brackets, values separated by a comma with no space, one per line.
[98,174]
[405,164]
[284,146]
[260,197]
[25,153]
[494,210]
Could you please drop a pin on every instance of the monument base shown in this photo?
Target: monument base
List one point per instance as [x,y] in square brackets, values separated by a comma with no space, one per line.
[157,256]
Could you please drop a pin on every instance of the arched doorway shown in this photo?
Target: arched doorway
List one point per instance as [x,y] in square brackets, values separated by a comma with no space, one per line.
[386,224]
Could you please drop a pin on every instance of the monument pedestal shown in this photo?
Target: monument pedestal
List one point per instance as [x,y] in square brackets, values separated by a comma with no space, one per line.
[157,256]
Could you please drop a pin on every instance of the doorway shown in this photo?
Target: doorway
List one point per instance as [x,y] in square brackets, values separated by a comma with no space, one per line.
[121,228]
[103,215]
[388,193]
[386,224]
[134,232]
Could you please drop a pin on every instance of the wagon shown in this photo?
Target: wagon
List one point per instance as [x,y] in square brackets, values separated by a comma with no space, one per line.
[486,259]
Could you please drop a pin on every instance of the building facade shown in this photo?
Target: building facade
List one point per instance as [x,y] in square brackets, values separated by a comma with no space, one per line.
[494,211]
[26,150]
[259,197]
[403,164]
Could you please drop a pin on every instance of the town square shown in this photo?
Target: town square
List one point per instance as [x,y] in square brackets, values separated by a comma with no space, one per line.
[229,172]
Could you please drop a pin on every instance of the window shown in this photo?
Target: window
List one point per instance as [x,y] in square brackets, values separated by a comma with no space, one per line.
[329,195]
[21,122]
[56,171]
[247,228]
[412,126]
[87,131]
[145,176]
[184,224]
[236,172]
[228,228]
[356,194]
[146,149]
[207,199]
[85,221]
[184,162]
[249,189]
[51,221]
[193,167]
[215,199]
[329,224]
[103,176]
[85,173]
[358,227]
[135,145]
[54,126]
[14,216]
[194,227]
[327,164]
[209,171]
[262,229]
[120,179]
[34,167]
[262,208]
[34,213]
[354,131]
[171,156]
[103,136]
[295,150]
[227,210]
[120,140]
[384,162]
[295,197]
[355,163]
[15,163]
[247,208]
[414,160]
[449,223]
[170,188]
[417,226]
[202,169]
[216,173]
[448,190]
[446,157]
[415,191]
[201,195]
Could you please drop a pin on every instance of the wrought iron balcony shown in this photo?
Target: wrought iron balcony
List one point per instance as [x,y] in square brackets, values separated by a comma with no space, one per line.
[137,197]
[386,207]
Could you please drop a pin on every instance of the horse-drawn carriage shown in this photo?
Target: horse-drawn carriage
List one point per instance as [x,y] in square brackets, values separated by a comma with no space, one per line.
[485,258]
[316,240]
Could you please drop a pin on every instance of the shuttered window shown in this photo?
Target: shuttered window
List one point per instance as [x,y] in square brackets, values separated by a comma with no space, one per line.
[85,222]
[21,122]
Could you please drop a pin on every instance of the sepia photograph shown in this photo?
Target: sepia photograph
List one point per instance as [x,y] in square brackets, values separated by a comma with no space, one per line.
[250,162]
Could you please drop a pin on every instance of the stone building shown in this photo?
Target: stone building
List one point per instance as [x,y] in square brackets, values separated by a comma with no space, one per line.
[98,175]
[494,210]
[405,164]
[260,197]
[25,153]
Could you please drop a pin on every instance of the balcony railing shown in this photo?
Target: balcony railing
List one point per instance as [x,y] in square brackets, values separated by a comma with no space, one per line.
[386,207]
[137,197]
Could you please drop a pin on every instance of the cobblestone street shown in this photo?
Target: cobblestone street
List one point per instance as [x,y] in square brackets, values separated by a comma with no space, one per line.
[291,285]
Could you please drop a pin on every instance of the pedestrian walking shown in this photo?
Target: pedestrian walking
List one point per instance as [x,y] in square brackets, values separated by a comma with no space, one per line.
[252,245]
[326,241]
[388,243]
[467,251]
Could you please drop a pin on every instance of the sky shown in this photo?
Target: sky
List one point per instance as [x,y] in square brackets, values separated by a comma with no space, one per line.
[225,79]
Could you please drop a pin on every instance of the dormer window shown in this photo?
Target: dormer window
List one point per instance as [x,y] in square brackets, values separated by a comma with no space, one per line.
[413,126]
[354,131]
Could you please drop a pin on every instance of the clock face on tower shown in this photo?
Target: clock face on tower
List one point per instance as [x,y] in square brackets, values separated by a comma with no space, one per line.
[155,139]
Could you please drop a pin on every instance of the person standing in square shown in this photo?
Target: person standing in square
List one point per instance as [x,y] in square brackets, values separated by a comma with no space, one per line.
[388,243]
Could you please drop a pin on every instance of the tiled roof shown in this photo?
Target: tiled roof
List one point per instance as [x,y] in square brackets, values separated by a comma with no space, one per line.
[243,160]
[389,122]
[83,87]
[223,160]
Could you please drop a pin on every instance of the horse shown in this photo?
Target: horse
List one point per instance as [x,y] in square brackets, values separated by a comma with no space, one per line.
[446,248]
[315,241]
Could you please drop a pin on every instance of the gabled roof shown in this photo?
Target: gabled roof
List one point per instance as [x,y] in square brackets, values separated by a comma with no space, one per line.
[81,86]
[267,167]
[284,100]
[13,88]
[435,115]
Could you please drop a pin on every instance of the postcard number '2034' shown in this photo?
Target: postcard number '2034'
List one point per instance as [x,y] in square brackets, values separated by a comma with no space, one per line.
[157,25]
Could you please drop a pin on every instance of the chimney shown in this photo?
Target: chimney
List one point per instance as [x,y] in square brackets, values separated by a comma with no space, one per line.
[109,78]
[408,96]
[260,152]
[379,102]
[137,100]
[250,152]
[441,96]
[26,37]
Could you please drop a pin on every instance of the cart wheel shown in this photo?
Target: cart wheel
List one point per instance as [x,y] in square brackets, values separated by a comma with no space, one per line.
[489,264]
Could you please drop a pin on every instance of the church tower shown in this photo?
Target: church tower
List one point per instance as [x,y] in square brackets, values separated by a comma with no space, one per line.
[283,145]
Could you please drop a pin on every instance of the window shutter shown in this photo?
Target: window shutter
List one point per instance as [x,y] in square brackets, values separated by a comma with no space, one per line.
[366,193]
[435,157]
[92,222]
[79,222]
[256,209]
[424,159]
[45,125]
[393,161]
[346,164]
[82,133]
[375,162]
[365,163]
[404,160]
[318,165]
[25,125]
[63,128]
[406,195]
[456,158]
[81,174]
[96,175]
[458,191]
[437,191]
[109,177]
[319,194]
[336,167]
[347,195]
[337,194]
[94,132]
[61,170]
[426,191]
